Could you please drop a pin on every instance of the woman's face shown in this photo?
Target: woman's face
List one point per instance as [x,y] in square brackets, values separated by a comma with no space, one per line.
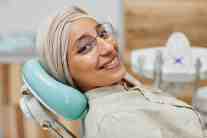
[93,55]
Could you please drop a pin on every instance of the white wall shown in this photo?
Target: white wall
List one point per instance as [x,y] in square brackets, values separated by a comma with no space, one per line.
[25,15]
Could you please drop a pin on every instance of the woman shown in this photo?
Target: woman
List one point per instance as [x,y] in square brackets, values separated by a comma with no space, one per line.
[75,49]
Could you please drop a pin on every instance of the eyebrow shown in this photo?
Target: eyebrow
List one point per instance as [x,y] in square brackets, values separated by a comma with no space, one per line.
[81,38]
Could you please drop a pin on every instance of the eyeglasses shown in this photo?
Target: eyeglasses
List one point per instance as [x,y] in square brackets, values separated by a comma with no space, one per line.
[104,31]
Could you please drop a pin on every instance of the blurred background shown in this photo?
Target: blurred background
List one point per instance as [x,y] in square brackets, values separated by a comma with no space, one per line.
[139,24]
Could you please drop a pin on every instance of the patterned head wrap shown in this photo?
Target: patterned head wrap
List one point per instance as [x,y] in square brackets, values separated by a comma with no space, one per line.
[53,42]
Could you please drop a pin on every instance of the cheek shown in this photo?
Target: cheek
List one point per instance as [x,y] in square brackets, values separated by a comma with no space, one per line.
[83,65]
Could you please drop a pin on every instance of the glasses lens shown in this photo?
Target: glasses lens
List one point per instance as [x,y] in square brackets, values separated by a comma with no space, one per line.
[105,30]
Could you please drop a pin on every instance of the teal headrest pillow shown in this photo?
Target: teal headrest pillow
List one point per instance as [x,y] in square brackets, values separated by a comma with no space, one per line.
[59,98]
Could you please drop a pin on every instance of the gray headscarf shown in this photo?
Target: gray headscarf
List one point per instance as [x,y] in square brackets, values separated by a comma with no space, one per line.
[53,42]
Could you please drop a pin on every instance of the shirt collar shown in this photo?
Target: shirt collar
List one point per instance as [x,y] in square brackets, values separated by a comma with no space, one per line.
[108,90]
[104,91]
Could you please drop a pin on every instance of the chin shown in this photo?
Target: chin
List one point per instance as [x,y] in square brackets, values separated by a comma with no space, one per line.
[118,76]
[109,78]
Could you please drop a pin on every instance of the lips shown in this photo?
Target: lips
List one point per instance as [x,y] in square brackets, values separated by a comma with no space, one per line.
[115,62]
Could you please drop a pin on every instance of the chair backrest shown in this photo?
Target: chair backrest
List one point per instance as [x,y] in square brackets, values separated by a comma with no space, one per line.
[199,100]
[57,97]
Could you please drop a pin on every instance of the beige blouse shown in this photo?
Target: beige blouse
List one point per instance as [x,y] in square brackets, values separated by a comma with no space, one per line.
[117,112]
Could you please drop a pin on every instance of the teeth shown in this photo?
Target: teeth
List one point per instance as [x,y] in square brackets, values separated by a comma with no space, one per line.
[112,63]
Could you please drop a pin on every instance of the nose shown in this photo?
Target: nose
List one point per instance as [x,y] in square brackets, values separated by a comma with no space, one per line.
[105,48]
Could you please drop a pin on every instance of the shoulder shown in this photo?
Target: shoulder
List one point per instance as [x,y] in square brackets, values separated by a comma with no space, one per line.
[159,96]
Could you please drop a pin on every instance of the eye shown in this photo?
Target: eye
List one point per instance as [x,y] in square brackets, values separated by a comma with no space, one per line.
[85,43]
[87,47]
[105,30]
[84,49]
[102,31]
[103,34]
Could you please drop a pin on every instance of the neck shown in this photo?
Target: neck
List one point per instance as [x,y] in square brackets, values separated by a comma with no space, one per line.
[87,87]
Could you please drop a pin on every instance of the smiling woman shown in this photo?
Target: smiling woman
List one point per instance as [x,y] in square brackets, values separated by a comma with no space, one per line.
[79,51]
[93,54]
[89,56]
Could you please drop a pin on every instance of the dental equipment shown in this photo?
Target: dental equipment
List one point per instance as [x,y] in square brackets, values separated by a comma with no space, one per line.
[173,65]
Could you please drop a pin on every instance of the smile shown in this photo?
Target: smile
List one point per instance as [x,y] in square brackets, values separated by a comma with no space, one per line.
[115,63]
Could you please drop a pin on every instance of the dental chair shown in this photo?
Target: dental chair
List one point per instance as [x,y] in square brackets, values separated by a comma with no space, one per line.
[44,100]
[199,102]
